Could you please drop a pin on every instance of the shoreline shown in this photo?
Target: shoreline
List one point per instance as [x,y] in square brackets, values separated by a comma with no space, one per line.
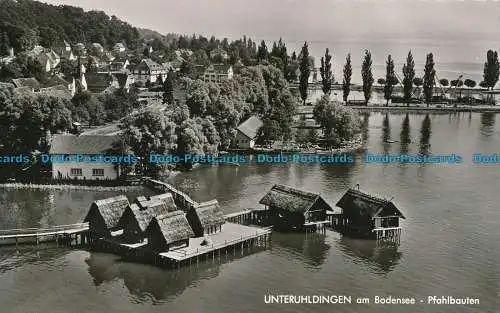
[68,187]
[476,109]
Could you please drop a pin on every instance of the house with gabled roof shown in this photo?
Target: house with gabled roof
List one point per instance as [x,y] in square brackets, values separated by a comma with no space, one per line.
[168,232]
[247,133]
[138,215]
[293,209]
[29,82]
[216,73]
[206,218]
[363,215]
[69,148]
[149,70]
[104,216]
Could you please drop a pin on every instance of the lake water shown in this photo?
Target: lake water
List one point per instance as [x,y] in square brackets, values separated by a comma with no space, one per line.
[449,246]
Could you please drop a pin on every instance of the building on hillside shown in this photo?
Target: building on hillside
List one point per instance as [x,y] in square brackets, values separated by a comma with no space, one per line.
[101,82]
[169,232]
[104,215]
[119,48]
[119,65]
[149,71]
[29,82]
[219,54]
[60,79]
[9,58]
[96,49]
[47,58]
[217,72]
[247,133]
[80,49]
[58,91]
[66,52]
[125,80]
[70,146]
[206,218]
[294,209]
[364,215]
[137,216]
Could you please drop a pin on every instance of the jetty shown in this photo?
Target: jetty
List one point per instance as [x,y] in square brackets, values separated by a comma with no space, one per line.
[72,234]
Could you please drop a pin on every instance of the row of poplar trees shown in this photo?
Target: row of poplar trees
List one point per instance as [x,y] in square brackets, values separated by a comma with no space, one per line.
[490,74]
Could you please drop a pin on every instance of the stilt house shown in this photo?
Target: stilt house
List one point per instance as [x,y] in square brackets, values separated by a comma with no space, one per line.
[293,209]
[168,232]
[104,215]
[364,215]
[206,218]
[137,216]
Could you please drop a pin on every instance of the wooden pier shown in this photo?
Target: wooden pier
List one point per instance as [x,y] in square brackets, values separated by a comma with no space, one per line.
[249,217]
[73,234]
[182,200]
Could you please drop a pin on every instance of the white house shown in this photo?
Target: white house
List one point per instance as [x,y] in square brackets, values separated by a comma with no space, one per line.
[247,133]
[217,72]
[86,146]
[149,70]
[119,48]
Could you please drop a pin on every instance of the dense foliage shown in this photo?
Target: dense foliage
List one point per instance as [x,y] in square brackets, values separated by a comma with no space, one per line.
[28,23]
[367,75]
[326,72]
[429,78]
[346,82]
[491,69]
[408,76]
[390,79]
[339,123]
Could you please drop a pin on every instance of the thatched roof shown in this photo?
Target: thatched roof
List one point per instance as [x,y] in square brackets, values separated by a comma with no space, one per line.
[111,209]
[210,214]
[290,199]
[360,203]
[174,226]
[166,200]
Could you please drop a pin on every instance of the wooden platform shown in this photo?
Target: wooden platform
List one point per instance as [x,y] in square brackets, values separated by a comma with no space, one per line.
[38,235]
[231,235]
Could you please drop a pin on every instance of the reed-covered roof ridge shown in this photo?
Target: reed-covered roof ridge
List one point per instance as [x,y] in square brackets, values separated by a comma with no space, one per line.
[174,226]
[289,198]
[111,209]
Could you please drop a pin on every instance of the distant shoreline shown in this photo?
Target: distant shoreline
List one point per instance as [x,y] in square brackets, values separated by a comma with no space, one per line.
[476,109]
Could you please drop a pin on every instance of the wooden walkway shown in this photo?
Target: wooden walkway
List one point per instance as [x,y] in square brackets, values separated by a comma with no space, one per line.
[37,235]
[181,199]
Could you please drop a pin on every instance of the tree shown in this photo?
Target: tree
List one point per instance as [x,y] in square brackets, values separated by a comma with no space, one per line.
[417,81]
[326,73]
[294,56]
[367,75]
[262,53]
[456,83]
[444,82]
[390,79]
[305,72]
[339,123]
[491,69]
[346,83]
[381,81]
[4,44]
[408,75]
[470,84]
[483,84]
[168,88]
[429,78]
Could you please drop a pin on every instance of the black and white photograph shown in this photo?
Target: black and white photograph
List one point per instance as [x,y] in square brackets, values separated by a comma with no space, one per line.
[221,156]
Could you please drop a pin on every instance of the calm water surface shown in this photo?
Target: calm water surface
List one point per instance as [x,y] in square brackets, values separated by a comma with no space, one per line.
[449,245]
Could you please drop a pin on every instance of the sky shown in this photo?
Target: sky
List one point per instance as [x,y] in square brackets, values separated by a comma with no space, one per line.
[313,20]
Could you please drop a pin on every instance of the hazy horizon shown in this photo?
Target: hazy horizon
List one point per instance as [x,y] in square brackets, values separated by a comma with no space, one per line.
[307,20]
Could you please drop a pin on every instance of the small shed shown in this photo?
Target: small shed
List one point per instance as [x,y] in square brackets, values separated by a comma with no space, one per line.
[206,218]
[168,232]
[364,214]
[294,209]
[104,215]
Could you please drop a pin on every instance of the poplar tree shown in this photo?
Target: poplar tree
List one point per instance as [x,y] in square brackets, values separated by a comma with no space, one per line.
[326,72]
[390,79]
[408,76]
[346,83]
[367,76]
[305,72]
[491,69]
[429,78]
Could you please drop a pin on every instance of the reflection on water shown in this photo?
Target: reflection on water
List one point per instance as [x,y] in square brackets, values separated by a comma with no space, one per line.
[405,136]
[386,133]
[12,257]
[365,123]
[425,135]
[310,249]
[487,128]
[381,258]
